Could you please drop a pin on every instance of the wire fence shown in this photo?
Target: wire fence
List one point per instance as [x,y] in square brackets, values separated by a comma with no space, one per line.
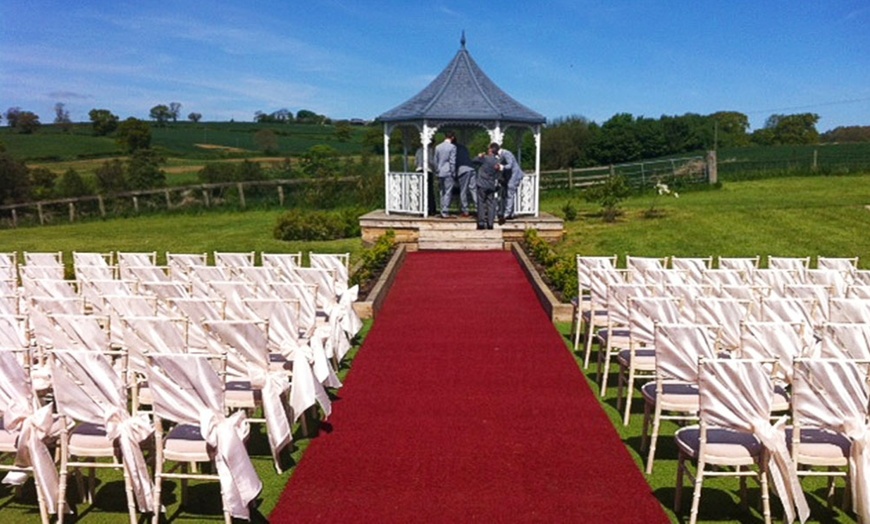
[641,175]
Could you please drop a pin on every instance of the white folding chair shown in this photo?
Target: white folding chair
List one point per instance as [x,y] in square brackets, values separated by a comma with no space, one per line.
[845,341]
[26,431]
[693,267]
[234,260]
[596,316]
[673,395]
[847,264]
[252,382]
[615,335]
[180,263]
[585,265]
[637,267]
[91,396]
[638,360]
[188,390]
[337,262]
[735,432]
[727,313]
[849,310]
[831,425]
[747,264]
[788,263]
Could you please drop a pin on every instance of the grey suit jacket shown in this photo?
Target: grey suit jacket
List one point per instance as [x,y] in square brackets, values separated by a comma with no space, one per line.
[445,159]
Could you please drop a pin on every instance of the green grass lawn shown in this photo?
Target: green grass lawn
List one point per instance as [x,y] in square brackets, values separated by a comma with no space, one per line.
[785,217]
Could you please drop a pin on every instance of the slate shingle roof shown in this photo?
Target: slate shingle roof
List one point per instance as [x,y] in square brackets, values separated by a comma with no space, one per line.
[462,92]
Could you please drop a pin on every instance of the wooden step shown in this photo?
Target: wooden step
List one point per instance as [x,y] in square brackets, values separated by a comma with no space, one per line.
[459,236]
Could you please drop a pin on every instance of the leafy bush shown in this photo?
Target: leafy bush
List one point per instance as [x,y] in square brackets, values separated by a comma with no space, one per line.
[297,224]
[559,271]
[609,193]
[569,211]
[375,259]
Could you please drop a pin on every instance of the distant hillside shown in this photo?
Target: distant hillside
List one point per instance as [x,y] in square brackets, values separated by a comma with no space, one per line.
[201,141]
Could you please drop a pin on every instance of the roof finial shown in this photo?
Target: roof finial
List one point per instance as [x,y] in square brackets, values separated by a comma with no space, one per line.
[462,40]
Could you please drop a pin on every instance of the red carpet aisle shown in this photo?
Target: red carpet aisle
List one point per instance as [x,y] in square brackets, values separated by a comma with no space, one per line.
[464,405]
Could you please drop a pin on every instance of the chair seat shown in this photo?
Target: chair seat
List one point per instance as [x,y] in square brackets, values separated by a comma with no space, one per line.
[821,447]
[644,359]
[675,396]
[617,334]
[724,447]
[90,440]
[239,394]
[184,443]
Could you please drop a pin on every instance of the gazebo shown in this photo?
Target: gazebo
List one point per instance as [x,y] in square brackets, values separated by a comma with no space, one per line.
[462,97]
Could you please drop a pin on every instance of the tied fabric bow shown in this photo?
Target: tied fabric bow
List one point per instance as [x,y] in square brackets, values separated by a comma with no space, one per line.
[130,431]
[33,428]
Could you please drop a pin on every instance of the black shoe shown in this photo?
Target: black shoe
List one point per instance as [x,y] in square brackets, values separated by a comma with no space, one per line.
[480,226]
[501,221]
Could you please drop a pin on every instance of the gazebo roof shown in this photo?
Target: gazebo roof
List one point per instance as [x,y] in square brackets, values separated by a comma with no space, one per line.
[463,92]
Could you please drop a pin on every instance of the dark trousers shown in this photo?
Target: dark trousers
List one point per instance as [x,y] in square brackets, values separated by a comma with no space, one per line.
[485,207]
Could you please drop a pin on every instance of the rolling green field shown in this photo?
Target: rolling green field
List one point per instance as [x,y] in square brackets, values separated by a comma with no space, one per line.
[200,141]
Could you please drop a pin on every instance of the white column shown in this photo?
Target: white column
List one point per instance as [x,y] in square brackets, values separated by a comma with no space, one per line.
[537,170]
[386,168]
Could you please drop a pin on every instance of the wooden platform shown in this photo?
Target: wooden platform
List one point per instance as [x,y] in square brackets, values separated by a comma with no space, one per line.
[457,232]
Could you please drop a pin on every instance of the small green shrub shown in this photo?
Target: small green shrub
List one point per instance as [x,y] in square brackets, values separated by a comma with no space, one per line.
[375,259]
[297,224]
[559,271]
[608,194]
[569,211]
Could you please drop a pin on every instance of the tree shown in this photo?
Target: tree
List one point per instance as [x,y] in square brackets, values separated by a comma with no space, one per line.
[174,111]
[194,117]
[27,122]
[267,141]
[608,193]
[794,129]
[72,185]
[343,131]
[61,116]
[103,121]
[134,134]
[14,182]
[111,177]
[12,116]
[305,116]
[143,170]
[566,143]
[42,182]
[321,161]
[617,141]
[732,128]
[160,114]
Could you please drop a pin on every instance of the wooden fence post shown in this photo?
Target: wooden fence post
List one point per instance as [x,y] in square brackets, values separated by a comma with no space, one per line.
[136,203]
[102,206]
[815,160]
[41,216]
[72,211]
[14,218]
[205,197]
[168,200]
[241,194]
[571,178]
[281,196]
[712,167]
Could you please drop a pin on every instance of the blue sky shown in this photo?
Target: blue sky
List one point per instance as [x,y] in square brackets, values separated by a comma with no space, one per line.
[358,59]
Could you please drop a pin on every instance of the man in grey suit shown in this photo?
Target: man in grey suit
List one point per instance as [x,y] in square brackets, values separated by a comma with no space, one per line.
[466,174]
[445,168]
[487,181]
[512,176]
